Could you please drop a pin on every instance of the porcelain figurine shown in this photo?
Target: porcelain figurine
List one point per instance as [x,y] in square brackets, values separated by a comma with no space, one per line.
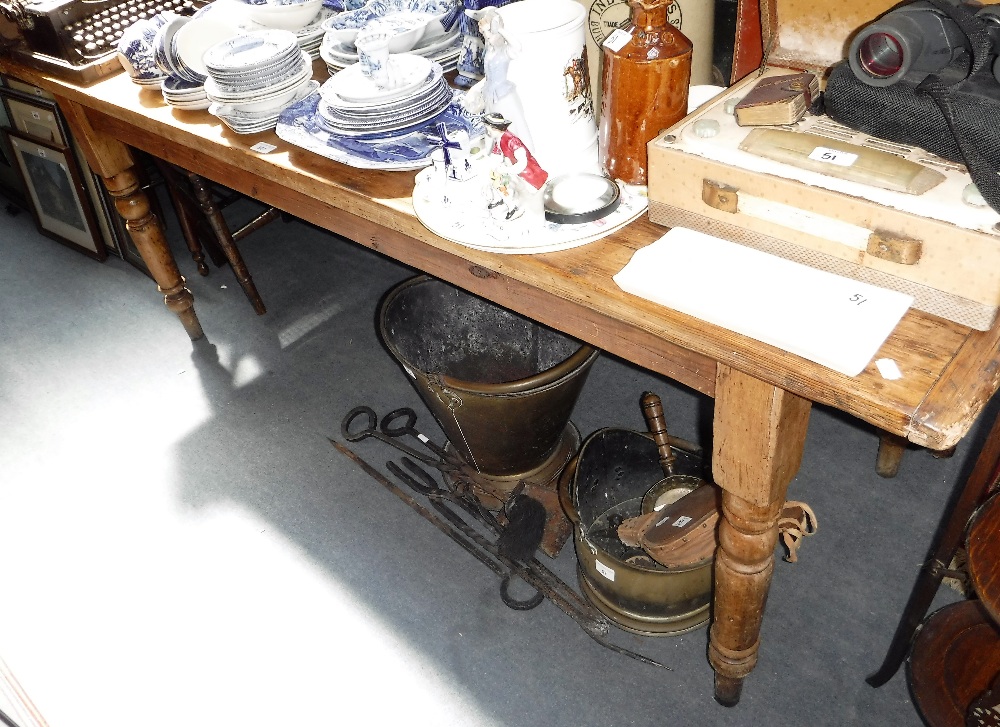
[499,93]
[516,178]
[436,190]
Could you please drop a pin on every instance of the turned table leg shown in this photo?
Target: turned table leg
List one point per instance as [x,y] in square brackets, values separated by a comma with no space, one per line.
[147,233]
[759,434]
[113,161]
[890,454]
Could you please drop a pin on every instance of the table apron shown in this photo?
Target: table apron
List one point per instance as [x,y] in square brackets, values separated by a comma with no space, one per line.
[634,344]
[473,271]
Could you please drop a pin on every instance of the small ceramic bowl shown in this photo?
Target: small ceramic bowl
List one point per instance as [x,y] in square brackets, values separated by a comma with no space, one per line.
[285,15]
[403,32]
[412,20]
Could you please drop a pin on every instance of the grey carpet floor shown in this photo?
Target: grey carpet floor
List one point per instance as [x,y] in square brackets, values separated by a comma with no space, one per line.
[182,546]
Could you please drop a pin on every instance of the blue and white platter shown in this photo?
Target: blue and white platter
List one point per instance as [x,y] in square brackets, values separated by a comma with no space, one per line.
[399,150]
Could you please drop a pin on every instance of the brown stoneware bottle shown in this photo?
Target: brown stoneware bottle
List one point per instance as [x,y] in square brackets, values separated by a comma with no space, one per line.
[647,70]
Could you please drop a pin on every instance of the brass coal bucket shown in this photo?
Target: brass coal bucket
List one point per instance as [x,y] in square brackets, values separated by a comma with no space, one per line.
[614,469]
[501,386]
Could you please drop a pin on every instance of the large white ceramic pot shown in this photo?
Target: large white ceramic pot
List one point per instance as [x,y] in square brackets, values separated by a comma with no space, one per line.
[549,70]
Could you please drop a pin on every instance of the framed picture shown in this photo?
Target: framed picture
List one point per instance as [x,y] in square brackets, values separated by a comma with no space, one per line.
[53,182]
[5,123]
[117,228]
[38,118]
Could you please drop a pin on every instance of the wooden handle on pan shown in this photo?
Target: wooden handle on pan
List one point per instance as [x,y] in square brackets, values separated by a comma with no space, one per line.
[652,410]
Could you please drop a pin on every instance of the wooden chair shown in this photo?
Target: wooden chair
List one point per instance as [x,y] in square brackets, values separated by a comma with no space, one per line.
[198,205]
[954,667]
[974,492]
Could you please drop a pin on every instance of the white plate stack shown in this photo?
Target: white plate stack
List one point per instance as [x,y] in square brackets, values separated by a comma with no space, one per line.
[252,78]
[183,94]
[355,106]
[310,38]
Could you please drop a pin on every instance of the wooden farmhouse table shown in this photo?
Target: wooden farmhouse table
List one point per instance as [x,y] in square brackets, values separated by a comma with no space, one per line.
[763,395]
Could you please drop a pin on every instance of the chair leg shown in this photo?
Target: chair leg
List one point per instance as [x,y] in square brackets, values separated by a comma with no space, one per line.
[184,216]
[226,241]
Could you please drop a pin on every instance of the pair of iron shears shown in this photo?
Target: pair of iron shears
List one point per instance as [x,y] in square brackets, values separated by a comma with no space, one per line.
[394,426]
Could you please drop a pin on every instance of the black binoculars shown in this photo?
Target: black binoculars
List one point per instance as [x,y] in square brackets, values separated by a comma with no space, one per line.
[916,40]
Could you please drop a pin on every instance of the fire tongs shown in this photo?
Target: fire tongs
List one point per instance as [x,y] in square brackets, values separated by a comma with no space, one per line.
[446,518]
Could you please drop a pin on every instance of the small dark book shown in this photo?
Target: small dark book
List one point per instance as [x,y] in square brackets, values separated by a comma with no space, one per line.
[778,100]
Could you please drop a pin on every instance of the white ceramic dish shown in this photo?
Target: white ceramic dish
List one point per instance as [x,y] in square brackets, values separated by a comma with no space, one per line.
[189,105]
[254,82]
[265,103]
[291,17]
[178,87]
[414,20]
[268,85]
[429,96]
[250,51]
[333,52]
[386,127]
[163,43]
[332,98]
[193,39]
[409,72]
[539,16]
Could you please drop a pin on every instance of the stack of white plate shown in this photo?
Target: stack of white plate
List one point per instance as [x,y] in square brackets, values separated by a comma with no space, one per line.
[183,94]
[165,51]
[442,49]
[253,77]
[353,105]
[310,38]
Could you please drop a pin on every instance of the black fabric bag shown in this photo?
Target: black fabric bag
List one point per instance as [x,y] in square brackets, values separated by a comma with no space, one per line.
[959,121]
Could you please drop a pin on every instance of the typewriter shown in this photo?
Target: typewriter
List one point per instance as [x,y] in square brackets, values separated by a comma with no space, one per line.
[78,39]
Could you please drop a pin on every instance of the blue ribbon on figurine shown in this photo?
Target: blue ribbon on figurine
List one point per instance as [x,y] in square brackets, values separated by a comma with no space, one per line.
[441,141]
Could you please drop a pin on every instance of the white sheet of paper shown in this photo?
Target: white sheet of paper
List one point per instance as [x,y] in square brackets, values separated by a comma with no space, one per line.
[835,321]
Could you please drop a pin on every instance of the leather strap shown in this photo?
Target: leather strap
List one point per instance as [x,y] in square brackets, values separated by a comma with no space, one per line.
[797,521]
[748,46]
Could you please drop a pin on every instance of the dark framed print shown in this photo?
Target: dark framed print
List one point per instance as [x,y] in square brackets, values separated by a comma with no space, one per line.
[117,228]
[53,182]
[38,118]
[4,123]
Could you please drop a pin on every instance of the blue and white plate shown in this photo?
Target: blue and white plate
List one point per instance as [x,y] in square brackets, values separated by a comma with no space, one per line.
[335,100]
[340,55]
[409,72]
[354,123]
[253,51]
[405,149]
[286,86]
